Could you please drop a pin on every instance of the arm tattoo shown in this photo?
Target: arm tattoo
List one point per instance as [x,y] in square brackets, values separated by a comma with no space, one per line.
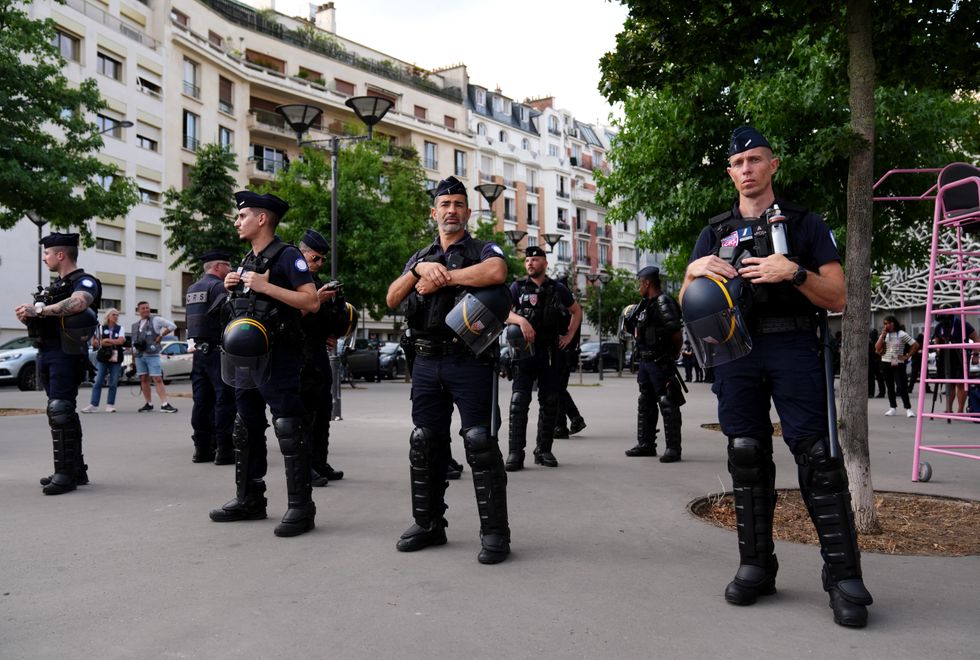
[73,305]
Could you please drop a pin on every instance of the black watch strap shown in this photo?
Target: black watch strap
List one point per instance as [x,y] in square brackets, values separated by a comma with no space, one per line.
[799,277]
[415,272]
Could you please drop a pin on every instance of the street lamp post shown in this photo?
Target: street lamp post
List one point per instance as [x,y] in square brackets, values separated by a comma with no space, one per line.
[300,116]
[515,236]
[597,280]
[489,192]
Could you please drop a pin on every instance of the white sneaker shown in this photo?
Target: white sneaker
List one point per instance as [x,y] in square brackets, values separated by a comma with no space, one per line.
[110,409]
[909,413]
[890,412]
[89,409]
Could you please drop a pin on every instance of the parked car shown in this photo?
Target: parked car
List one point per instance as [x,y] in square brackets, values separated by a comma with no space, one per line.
[374,361]
[611,353]
[18,363]
[176,360]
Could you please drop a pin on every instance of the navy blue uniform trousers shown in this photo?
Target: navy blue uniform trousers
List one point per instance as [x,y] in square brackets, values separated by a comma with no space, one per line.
[214,401]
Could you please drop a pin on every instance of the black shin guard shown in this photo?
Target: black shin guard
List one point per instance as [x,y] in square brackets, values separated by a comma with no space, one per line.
[293,443]
[66,436]
[824,487]
[546,431]
[672,429]
[249,502]
[753,486]
[646,425]
[490,485]
[428,472]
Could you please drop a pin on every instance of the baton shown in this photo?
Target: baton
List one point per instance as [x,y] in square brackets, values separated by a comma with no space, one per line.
[828,369]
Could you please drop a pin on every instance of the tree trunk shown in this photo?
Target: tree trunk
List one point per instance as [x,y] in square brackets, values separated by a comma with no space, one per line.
[854,366]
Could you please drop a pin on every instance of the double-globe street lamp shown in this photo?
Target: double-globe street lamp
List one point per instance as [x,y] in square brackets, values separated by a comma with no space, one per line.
[300,116]
[598,280]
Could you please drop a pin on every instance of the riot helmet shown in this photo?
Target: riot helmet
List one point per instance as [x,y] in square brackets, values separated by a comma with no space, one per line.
[479,316]
[713,319]
[77,331]
[519,347]
[245,354]
[626,323]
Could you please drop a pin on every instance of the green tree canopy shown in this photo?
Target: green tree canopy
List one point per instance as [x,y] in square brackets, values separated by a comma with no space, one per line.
[690,73]
[382,209]
[48,146]
[486,230]
[201,216]
[617,293]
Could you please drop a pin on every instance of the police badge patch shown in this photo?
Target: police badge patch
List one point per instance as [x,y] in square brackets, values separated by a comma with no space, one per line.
[87,283]
[301,265]
[533,299]
[731,240]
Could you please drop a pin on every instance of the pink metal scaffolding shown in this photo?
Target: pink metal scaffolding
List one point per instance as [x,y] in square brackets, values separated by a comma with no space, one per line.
[956,211]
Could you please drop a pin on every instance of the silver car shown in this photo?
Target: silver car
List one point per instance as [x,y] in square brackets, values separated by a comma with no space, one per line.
[18,363]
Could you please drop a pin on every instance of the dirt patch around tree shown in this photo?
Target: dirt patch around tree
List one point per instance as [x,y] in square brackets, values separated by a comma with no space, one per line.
[12,412]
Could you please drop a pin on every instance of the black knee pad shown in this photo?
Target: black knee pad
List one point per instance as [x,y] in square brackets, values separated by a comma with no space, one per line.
[520,401]
[667,407]
[481,447]
[289,430]
[820,472]
[748,459]
[61,413]
[421,444]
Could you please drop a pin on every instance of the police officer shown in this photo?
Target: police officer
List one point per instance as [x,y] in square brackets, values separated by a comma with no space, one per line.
[548,316]
[787,291]
[446,371]
[656,325]
[63,320]
[214,401]
[269,290]
[570,420]
[316,382]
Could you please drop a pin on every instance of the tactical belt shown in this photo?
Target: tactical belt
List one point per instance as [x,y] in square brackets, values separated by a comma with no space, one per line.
[205,346]
[774,324]
[650,356]
[439,347]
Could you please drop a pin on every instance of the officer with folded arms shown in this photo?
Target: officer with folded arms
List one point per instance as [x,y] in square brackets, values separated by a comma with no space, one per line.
[261,357]
[445,372]
[214,401]
[759,275]
[62,320]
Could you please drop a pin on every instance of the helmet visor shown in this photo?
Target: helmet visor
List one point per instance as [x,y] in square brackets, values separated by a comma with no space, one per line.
[719,338]
[247,373]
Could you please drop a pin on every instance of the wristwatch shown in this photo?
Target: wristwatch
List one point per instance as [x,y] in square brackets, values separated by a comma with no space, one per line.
[415,272]
[799,277]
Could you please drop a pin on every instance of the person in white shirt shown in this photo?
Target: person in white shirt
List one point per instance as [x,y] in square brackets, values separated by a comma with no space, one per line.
[895,346]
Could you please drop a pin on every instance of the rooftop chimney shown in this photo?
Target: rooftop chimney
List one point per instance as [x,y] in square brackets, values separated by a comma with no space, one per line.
[326,17]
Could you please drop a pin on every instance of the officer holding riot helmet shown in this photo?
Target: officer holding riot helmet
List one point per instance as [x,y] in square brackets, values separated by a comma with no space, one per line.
[214,401]
[445,372]
[316,383]
[548,317]
[63,319]
[655,323]
[261,357]
[762,344]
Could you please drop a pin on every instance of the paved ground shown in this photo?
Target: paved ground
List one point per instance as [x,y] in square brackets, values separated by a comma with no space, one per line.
[607,561]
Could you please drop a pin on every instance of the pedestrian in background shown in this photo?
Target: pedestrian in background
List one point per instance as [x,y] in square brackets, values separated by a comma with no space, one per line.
[109,342]
[148,333]
[895,346]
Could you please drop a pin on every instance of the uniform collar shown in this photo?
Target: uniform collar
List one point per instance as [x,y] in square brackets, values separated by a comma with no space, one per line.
[466,237]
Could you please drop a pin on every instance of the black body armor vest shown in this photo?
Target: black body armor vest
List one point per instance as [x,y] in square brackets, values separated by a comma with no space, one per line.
[426,315]
[204,308]
[48,328]
[543,309]
[279,318]
[656,321]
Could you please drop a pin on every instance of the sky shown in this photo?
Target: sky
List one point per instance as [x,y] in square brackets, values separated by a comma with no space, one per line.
[529,48]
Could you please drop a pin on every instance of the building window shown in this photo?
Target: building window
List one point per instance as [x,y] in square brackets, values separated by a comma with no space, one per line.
[215,39]
[109,126]
[498,104]
[525,144]
[343,87]
[431,156]
[580,220]
[553,150]
[150,197]
[532,240]
[563,218]
[459,159]
[314,77]
[69,46]
[449,122]
[148,82]
[421,113]
[192,78]
[503,136]
[564,251]
[179,18]
[192,131]
[268,159]
[481,97]
[603,254]
[582,247]
[553,125]
[108,66]
[226,138]
[481,129]
[105,180]
[509,209]
[532,179]
[108,245]
[532,215]
[109,239]
[147,143]
[523,110]
[226,95]
[147,246]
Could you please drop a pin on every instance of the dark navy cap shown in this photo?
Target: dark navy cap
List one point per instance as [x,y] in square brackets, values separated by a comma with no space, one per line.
[648,273]
[745,138]
[450,186]
[535,251]
[215,255]
[315,241]
[249,199]
[54,239]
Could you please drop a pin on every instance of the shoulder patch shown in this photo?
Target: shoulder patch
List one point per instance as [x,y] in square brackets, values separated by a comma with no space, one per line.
[300,265]
[496,248]
[87,283]
[832,239]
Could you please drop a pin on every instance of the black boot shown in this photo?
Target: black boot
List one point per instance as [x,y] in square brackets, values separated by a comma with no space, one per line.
[203,451]
[330,473]
[81,469]
[824,487]
[224,453]
[66,436]
[561,433]
[515,460]
[520,401]
[249,502]
[490,486]
[301,511]
[672,429]
[646,426]
[753,486]
[317,480]
[453,469]
[428,469]
[578,424]
[546,431]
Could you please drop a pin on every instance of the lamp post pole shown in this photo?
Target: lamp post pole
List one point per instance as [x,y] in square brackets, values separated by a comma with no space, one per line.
[300,117]
[598,280]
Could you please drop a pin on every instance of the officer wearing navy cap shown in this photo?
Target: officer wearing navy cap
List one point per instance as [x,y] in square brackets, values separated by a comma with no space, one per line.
[655,324]
[63,319]
[214,401]
[548,317]
[794,271]
[316,382]
[269,291]
[446,372]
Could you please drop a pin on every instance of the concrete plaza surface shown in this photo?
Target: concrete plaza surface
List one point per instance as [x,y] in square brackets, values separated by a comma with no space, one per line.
[607,562]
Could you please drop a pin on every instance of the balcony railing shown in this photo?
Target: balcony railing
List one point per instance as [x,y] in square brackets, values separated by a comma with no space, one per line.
[269,165]
[97,14]
[563,194]
[227,107]
[431,163]
[192,90]
[191,142]
[563,225]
